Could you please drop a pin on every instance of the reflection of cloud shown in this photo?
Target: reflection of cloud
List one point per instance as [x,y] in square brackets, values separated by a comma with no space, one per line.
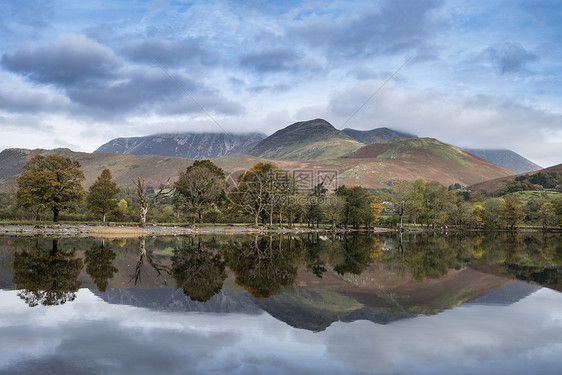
[91,335]
[495,339]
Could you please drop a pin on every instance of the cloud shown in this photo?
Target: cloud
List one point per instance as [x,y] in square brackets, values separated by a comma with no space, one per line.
[510,57]
[170,53]
[70,60]
[271,61]
[395,27]
[461,119]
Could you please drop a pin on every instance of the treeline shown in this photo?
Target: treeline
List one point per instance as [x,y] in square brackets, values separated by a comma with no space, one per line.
[538,181]
[268,195]
[432,205]
[263,194]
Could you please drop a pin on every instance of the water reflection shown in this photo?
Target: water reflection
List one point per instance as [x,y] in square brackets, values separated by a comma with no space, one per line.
[199,270]
[47,277]
[99,265]
[269,265]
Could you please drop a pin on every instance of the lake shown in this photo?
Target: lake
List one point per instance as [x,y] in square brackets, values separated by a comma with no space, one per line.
[380,304]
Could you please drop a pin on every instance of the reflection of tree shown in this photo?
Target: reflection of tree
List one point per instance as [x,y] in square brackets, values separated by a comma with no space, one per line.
[198,271]
[423,257]
[99,265]
[357,255]
[313,249]
[152,260]
[47,277]
[263,266]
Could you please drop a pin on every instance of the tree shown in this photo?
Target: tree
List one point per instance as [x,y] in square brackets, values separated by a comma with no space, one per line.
[357,208]
[198,188]
[557,203]
[147,200]
[254,191]
[547,214]
[512,212]
[101,196]
[51,182]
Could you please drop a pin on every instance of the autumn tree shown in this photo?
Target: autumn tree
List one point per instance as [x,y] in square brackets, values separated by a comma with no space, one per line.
[253,194]
[547,214]
[101,195]
[52,182]
[512,212]
[201,186]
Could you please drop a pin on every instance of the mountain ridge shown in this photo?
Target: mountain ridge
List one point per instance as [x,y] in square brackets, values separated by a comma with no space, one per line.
[187,145]
[306,140]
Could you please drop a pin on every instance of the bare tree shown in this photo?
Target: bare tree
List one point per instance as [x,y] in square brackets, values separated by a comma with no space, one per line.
[146,202]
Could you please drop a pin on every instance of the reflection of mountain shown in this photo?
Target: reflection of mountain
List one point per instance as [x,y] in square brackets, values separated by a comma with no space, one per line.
[317,310]
[175,300]
[507,295]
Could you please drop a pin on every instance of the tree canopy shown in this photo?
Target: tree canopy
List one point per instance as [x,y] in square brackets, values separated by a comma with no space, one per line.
[52,182]
[101,195]
[199,187]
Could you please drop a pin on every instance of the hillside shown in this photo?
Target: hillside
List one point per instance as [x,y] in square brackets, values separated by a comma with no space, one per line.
[185,145]
[507,159]
[375,166]
[376,135]
[426,158]
[498,183]
[307,140]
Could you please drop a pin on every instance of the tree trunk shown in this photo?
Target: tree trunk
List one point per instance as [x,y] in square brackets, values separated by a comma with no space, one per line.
[103,218]
[55,215]
[143,212]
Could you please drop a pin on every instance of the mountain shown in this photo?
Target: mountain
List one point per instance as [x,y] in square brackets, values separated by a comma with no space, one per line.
[306,140]
[376,166]
[507,159]
[376,135]
[427,158]
[185,145]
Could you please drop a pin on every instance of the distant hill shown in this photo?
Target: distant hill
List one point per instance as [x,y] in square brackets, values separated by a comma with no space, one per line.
[375,166]
[498,183]
[507,159]
[185,145]
[426,158]
[376,135]
[306,140]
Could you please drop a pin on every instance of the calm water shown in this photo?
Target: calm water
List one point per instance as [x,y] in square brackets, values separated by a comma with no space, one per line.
[422,304]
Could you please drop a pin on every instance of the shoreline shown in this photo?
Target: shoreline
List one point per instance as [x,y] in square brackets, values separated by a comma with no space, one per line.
[105,231]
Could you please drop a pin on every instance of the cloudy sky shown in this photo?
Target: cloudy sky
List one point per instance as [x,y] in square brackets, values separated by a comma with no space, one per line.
[474,74]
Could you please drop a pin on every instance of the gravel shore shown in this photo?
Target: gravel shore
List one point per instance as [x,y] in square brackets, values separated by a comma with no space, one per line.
[82,231]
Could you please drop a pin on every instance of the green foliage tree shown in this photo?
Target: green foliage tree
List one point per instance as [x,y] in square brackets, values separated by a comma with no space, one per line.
[52,182]
[101,195]
[557,203]
[547,214]
[512,212]
[202,185]
[357,208]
